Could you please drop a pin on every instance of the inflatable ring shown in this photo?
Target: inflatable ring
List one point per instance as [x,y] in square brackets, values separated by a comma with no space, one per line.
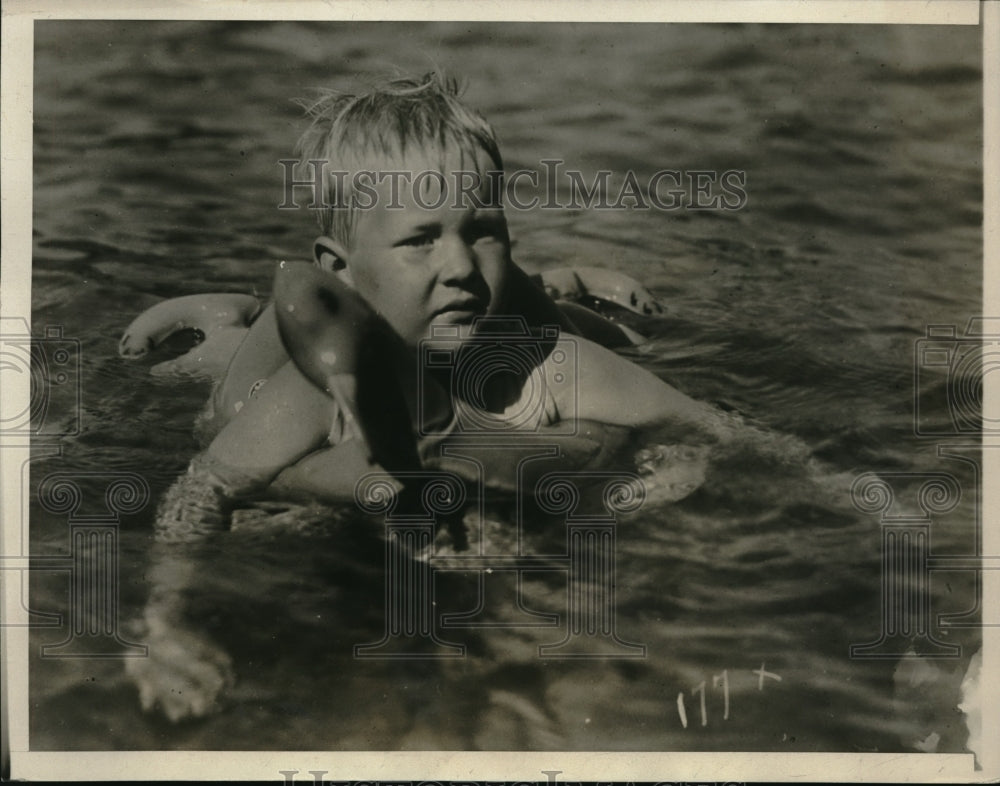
[574,283]
[222,320]
[332,334]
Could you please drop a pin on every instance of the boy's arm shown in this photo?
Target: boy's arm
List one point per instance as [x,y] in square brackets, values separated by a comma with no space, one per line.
[330,474]
[185,672]
[612,389]
[287,419]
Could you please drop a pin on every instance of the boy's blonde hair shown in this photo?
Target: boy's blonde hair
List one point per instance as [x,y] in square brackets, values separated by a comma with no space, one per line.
[396,116]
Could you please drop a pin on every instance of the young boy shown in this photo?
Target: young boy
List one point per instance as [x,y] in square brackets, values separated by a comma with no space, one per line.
[413,259]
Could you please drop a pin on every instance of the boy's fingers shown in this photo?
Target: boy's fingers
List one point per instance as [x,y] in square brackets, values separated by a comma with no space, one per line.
[179,695]
[175,705]
[199,704]
[184,673]
[223,664]
[147,695]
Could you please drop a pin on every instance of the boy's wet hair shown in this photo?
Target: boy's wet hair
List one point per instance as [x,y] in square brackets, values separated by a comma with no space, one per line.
[394,118]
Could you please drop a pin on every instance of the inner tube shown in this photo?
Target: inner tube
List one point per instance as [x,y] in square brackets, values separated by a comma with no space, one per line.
[222,319]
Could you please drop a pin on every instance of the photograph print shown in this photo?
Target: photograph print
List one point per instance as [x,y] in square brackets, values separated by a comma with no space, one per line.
[501,386]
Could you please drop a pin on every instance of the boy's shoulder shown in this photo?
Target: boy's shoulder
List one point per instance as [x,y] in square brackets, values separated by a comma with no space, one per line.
[576,378]
[580,377]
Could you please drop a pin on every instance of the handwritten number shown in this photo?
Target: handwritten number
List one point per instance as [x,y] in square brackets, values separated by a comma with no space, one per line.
[724,679]
[700,689]
[719,680]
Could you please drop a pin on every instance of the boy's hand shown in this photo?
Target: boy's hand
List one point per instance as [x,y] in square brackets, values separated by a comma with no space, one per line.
[185,673]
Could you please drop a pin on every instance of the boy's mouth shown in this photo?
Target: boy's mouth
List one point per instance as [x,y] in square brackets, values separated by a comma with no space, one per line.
[460,310]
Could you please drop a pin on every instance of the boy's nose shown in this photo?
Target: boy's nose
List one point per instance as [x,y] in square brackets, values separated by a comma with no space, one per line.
[457,260]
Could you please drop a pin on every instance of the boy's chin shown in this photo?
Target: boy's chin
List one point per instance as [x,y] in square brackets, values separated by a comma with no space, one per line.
[449,320]
[449,329]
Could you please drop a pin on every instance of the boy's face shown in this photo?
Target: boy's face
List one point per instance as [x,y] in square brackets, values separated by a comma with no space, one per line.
[421,264]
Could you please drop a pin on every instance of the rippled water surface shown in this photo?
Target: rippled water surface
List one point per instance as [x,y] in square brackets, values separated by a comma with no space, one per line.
[155,161]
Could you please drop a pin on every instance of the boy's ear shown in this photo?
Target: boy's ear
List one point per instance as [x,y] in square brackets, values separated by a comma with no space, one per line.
[329,255]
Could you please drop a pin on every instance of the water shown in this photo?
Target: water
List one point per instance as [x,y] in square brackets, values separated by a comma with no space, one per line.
[155,176]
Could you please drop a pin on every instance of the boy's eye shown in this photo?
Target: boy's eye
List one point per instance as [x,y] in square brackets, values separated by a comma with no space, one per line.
[417,240]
